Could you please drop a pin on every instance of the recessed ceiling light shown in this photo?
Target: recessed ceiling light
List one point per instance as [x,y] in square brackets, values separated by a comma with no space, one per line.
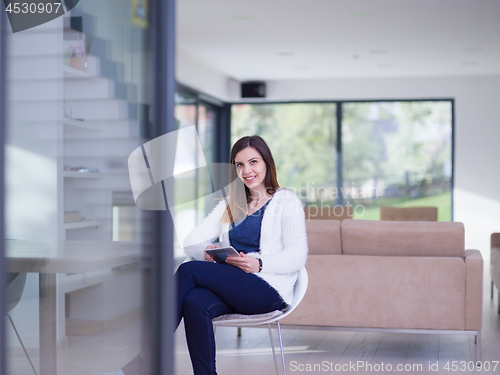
[242,18]
[361,14]
[472,49]
[379,52]
[286,53]
[470,63]
[301,66]
[385,65]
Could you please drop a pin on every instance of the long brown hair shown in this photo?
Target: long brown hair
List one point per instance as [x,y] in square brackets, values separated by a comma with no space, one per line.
[238,198]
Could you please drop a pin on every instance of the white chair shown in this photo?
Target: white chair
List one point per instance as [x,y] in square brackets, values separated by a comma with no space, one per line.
[14,291]
[240,320]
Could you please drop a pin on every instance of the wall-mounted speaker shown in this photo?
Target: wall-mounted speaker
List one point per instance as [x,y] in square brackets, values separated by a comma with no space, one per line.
[253,90]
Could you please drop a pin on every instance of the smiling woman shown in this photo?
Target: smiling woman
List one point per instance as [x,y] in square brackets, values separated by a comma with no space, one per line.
[262,221]
[256,168]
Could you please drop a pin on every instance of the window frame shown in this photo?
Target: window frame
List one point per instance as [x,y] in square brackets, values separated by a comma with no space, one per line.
[3,123]
[220,109]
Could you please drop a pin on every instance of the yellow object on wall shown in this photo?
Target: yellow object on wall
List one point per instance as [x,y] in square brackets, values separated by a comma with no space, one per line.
[140,9]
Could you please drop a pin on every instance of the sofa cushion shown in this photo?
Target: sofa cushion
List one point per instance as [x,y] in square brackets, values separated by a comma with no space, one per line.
[323,237]
[398,238]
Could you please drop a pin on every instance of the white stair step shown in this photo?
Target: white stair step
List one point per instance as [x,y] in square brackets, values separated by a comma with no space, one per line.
[109,129]
[121,183]
[97,109]
[92,69]
[35,111]
[83,224]
[70,73]
[50,67]
[30,68]
[36,90]
[99,88]
[100,147]
[48,88]
[37,42]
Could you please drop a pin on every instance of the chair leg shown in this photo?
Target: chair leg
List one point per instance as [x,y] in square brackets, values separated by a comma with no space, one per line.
[491,289]
[19,337]
[239,331]
[272,347]
[478,346]
[281,347]
[499,301]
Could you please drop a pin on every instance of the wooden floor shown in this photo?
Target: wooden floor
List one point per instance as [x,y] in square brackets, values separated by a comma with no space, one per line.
[306,351]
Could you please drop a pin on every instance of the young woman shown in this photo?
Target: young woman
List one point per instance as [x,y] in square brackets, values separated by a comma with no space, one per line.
[266,224]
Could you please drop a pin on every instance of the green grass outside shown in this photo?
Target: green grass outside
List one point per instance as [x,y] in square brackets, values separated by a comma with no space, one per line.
[441,201]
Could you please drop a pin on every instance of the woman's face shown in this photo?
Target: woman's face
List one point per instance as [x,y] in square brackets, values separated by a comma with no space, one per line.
[251,168]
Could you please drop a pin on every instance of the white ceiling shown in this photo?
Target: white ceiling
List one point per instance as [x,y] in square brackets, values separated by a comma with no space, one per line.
[297,39]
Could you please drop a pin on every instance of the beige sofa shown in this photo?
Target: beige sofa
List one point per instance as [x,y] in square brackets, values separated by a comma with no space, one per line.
[328,213]
[386,275]
[408,213]
[495,265]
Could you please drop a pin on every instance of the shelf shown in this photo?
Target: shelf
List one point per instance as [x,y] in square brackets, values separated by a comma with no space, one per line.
[80,124]
[68,174]
[117,171]
[82,224]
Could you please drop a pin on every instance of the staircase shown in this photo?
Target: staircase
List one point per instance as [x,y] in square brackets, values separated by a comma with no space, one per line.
[114,124]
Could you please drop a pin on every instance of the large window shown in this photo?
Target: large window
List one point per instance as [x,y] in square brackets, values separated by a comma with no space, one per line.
[397,154]
[392,153]
[303,139]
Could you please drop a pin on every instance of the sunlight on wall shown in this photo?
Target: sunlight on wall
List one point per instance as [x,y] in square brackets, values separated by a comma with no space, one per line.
[31,207]
[480,217]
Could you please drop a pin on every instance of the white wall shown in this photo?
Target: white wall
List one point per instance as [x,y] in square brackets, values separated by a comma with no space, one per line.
[199,76]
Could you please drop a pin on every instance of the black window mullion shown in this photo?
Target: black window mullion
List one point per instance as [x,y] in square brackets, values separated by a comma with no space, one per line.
[340,199]
[3,127]
[196,174]
[161,252]
[452,179]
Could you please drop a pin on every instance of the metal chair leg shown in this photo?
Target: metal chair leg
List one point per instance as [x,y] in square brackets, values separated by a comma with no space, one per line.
[281,347]
[21,341]
[272,347]
[478,345]
[499,301]
[491,289]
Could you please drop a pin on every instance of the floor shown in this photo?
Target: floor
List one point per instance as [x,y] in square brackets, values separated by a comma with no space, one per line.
[94,354]
[334,352]
[306,351]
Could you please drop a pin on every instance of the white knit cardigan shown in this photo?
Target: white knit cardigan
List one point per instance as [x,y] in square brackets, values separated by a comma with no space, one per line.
[283,242]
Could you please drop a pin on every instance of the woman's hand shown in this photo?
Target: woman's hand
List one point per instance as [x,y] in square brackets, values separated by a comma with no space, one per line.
[247,263]
[208,258]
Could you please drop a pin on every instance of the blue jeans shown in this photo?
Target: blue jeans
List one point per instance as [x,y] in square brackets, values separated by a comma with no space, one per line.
[206,290]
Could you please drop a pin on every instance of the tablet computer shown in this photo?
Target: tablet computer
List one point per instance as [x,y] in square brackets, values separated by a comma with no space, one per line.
[220,254]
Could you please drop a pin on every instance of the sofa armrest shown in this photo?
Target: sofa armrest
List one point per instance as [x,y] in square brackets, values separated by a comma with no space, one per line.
[495,240]
[473,290]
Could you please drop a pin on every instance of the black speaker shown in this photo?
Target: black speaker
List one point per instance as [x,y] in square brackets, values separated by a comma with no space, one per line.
[253,90]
